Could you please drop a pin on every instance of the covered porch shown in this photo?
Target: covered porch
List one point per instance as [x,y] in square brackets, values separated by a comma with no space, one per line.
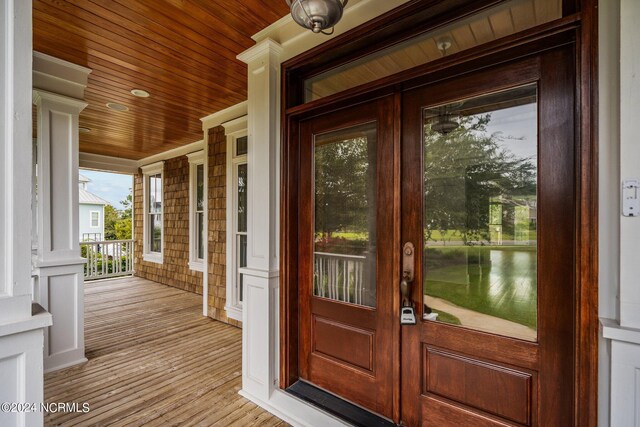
[153,360]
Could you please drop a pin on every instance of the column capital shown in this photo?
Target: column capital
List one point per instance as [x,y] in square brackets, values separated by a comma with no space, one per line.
[260,50]
[40,95]
[58,76]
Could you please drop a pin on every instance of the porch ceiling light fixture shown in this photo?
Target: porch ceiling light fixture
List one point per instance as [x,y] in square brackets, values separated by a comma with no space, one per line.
[317,15]
[117,107]
[140,93]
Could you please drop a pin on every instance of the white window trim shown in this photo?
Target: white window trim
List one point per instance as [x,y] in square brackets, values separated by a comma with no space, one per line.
[195,159]
[234,129]
[91,219]
[152,169]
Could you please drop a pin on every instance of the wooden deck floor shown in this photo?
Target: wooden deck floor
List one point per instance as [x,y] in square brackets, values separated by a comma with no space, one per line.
[154,360]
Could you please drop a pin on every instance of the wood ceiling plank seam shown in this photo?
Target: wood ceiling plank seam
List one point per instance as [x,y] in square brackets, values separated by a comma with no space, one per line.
[112,73]
[161,108]
[275,13]
[125,54]
[173,49]
[244,12]
[154,135]
[103,75]
[126,118]
[143,148]
[214,22]
[99,90]
[157,137]
[137,106]
[151,133]
[186,87]
[177,21]
[117,127]
[106,150]
[135,72]
[114,9]
[85,6]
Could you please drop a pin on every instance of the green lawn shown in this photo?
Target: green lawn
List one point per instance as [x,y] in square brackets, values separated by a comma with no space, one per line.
[499,281]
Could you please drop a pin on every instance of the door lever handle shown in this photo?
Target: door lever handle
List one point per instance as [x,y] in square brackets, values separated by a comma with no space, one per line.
[405,289]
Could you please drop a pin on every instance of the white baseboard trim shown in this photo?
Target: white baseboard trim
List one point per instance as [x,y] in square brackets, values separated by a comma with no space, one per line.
[292,410]
[66,365]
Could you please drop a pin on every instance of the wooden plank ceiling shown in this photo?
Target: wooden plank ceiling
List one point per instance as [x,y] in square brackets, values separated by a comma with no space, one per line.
[183,52]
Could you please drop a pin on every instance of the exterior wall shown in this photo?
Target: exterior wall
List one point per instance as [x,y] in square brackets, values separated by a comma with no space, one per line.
[85,222]
[174,271]
[218,224]
[619,288]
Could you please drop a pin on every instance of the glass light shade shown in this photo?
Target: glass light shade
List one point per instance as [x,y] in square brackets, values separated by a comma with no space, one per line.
[317,15]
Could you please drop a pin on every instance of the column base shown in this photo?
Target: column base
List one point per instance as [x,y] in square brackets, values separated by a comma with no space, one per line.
[21,369]
[625,373]
[293,410]
[60,290]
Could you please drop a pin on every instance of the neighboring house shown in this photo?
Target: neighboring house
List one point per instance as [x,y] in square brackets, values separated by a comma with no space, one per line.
[91,213]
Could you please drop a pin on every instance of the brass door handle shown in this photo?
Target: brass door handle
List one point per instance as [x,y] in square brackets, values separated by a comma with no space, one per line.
[405,289]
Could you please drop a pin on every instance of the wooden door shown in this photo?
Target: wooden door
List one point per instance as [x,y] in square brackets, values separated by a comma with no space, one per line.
[346,255]
[489,201]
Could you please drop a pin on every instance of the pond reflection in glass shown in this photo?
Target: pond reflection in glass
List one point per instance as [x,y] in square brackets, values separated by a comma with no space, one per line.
[480,204]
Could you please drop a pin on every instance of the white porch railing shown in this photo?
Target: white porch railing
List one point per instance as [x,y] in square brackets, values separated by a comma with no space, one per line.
[339,277]
[107,258]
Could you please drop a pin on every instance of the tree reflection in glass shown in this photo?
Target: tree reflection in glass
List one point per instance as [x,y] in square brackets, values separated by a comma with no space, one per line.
[480,230]
[345,215]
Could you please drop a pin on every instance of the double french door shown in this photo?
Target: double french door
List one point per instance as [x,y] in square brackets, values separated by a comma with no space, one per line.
[455,200]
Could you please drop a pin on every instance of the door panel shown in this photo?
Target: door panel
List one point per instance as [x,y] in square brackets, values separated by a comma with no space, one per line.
[347,315]
[488,201]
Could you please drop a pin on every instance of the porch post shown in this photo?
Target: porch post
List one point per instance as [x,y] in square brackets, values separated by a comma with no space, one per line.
[260,304]
[59,89]
[619,109]
[21,322]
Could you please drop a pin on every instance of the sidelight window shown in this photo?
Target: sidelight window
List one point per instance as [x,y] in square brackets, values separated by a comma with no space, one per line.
[196,210]
[153,212]
[237,220]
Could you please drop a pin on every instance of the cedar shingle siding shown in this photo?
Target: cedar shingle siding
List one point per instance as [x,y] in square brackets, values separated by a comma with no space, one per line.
[175,268]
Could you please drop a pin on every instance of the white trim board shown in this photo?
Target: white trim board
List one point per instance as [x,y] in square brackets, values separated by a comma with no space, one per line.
[224,116]
[108,163]
[173,153]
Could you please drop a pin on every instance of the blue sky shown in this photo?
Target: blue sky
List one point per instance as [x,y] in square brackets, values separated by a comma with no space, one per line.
[113,187]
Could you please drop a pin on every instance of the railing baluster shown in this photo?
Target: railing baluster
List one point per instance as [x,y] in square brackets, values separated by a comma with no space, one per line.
[337,275]
[117,253]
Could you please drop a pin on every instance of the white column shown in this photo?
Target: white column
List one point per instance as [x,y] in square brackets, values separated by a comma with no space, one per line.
[260,308]
[58,264]
[261,276]
[620,121]
[21,322]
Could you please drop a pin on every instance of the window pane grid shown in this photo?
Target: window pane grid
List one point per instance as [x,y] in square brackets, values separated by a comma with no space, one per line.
[154,213]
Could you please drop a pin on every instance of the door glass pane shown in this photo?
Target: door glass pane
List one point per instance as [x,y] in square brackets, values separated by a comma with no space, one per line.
[480,230]
[242,198]
[345,215]
[242,261]
[200,235]
[155,232]
[199,188]
[242,145]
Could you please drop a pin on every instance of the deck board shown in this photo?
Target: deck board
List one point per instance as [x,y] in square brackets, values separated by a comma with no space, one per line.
[154,360]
